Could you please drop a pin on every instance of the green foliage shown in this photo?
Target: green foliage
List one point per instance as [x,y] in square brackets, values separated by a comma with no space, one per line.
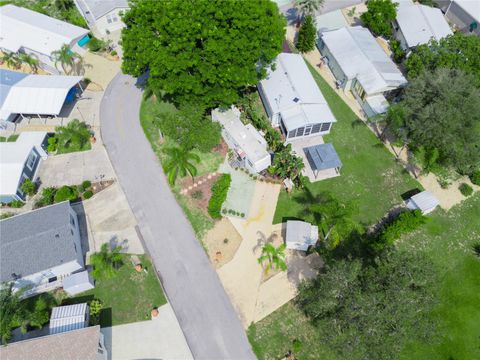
[458,51]
[106,261]
[12,312]
[273,257]
[398,52]
[286,165]
[87,194]
[197,195]
[12,60]
[372,311]
[113,53]
[29,60]
[65,193]
[180,162]
[52,144]
[75,136]
[476,249]
[202,52]
[48,196]
[307,35]
[379,17]
[441,110]
[465,189]
[40,314]
[96,45]
[28,187]
[87,184]
[427,2]
[67,59]
[219,194]
[96,307]
[6,215]
[16,204]
[475,177]
[190,128]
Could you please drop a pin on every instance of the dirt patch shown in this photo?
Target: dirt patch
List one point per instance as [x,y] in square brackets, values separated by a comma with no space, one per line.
[199,192]
[222,242]
[93,87]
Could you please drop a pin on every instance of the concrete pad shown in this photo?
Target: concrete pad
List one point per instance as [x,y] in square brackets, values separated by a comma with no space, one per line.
[99,69]
[159,338]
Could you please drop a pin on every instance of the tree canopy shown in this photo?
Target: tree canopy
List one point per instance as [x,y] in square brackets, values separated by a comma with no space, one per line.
[307,35]
[441,110]
[379,16]
[458,51]
[201,51]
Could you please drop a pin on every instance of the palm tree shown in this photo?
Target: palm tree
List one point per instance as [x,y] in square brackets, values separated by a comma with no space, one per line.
[75,134]
[30,61]
[66,57]
[106,261]
[12,60]
[180,162]
[274,257]
[12,312]
[307,7]
[286,164]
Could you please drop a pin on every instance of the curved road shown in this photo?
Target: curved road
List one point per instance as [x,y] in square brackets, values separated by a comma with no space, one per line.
[203,309]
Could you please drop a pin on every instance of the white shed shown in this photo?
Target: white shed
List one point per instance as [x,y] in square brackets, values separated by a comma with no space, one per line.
[300,235]
[68,318]
[425,201]
[77,283]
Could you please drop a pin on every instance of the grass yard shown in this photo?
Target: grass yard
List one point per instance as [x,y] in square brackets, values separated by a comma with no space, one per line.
[66,150]
[370,174]
[209,162]
[448,239]
[127,297]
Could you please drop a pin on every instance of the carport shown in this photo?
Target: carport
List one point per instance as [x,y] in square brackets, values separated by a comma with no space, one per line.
[321,158]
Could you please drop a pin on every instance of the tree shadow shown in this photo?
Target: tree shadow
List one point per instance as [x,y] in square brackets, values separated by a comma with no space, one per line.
[106,317]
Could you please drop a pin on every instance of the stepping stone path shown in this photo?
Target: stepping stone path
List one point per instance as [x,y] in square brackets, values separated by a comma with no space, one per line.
[199,182]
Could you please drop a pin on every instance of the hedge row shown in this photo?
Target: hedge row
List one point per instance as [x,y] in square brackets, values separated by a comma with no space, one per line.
[219,194]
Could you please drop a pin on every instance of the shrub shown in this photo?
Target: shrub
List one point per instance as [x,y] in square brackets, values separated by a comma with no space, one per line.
[465,189]
[16,204]
[398,53]
[225,241]
[197,195]
[87,81]
[87,194]
[113,53]
[219,194]
[29,187]
[224,211]
[96,45]
[48,195]
[66,193]
[86,185]
[475,177]
[52,144]
[96,307]
[242,215]
[307,35]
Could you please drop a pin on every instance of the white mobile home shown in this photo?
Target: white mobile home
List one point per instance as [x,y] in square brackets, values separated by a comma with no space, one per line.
[248,144]
[103,16]
[293,100]
[359,64]
[465,14]
[39,35]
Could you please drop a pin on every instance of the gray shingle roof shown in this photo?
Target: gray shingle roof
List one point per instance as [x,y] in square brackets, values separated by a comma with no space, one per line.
[322,157]
[36,241]
[98,8]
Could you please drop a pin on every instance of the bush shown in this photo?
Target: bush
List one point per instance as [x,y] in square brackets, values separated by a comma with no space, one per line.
[48,195]
[52,144]
[96,307]
[16,204]
[465,189]
[96,45]
[29,187]
[307,35]
[66,193]
[475,177]
[398,53]
[86,185]
[87,194]
[197,195]
[219,194]
[113,53]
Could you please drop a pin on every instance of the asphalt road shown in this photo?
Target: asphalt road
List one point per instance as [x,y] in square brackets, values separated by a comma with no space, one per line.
[203,309]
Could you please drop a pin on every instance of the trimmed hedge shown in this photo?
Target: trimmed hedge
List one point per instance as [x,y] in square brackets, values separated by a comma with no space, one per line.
[66,193]
[219,194]
[465,189]
[475,177]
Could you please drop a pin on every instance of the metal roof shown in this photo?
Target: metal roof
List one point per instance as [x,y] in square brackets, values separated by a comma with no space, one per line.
[420,24]
[77,283]
[471,7]
[360,57]
[99,8]
[330,21]
[13,156]
[291,90]
[378,103]
[29,29]
[322,157]
[68,318]
[36,241]
[33,94]
[424,201]
[300,235]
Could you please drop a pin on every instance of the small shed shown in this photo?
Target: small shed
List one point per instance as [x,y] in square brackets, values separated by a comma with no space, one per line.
[300,235]
[322,157]
[425,201]
[68,318]
[77,283]
[332,20]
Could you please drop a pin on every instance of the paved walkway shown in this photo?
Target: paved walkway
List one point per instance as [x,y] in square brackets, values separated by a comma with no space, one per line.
[159,338]
[203,309]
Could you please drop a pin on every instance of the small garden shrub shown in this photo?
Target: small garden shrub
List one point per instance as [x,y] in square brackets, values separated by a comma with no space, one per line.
[475,177]
[29,187]
[197,195]
[95,44]
[52,144]
[16,204]
[87,194]
[48,195]
[465,189]
[225,241]
[87,184]
[219,194]
[66,193]
[113,53]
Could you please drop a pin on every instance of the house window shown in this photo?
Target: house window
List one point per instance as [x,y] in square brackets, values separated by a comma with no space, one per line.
[31,160]
[316,128]
[249,163]
[24,177]
[291,134]
[52,279]
[359,90]
[300,131]
[325,127]
[308,129]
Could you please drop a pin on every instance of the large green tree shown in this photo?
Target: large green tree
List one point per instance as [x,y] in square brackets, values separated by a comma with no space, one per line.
[307,35]
[458,51]
[379,16]
[202,51]
[372,311]
[12,312]
[441,110]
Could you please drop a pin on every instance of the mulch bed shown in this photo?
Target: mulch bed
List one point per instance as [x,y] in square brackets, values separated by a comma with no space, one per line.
[204,185]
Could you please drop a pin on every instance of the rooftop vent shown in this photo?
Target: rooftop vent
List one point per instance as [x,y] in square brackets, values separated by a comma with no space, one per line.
[296,99]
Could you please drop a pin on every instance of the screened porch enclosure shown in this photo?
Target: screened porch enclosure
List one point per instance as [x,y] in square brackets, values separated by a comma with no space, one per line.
[292,132]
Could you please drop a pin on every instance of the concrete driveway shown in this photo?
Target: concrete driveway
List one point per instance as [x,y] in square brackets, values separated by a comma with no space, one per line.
[203,309]
[159,338]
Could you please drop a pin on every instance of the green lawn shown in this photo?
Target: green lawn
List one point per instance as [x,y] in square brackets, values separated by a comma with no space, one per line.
[127,297]
[209,162]
[66,150]
[369,174]
[448,240]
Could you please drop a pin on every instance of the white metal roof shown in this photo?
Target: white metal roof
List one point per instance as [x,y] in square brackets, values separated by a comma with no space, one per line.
[300,235]
[330,21]
[246,137]
[13,156]
[424,201]
[472,7]
[360,56]
[291,90]
[420,24]
[99,8]
[67,318]
[77,283]
[33,94]
[26,28]
[378,103]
